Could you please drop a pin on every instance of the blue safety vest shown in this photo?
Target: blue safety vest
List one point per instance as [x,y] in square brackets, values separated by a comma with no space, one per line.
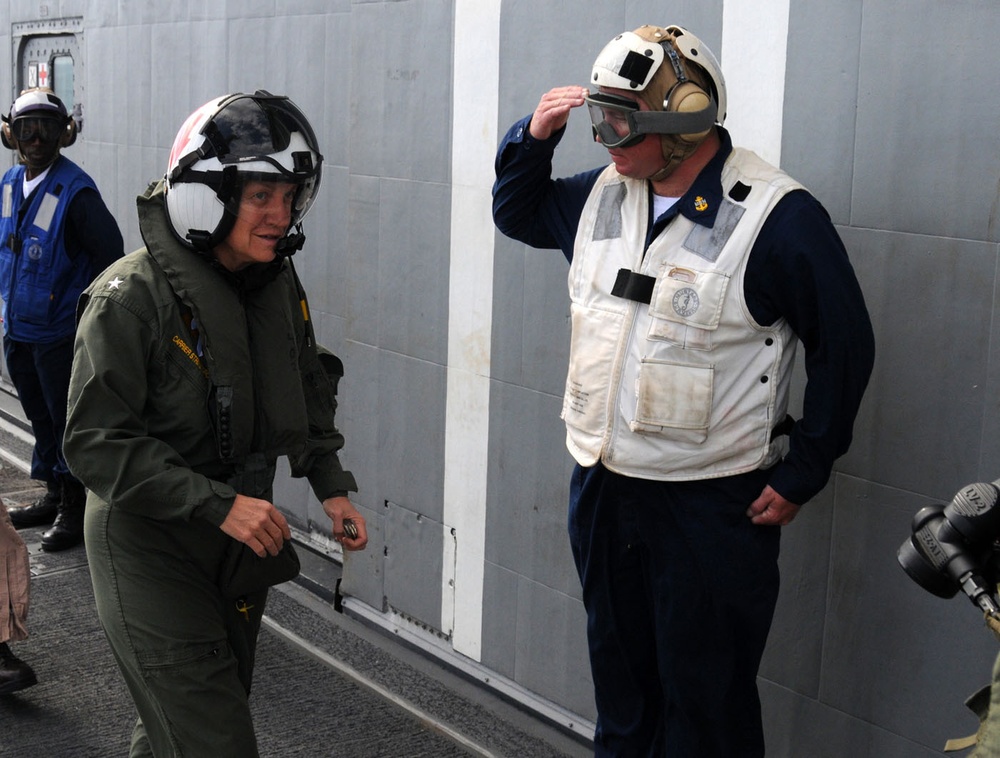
[39,282]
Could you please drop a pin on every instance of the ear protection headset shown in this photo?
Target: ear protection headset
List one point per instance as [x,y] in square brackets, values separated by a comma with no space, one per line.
[38,102]
[685,96]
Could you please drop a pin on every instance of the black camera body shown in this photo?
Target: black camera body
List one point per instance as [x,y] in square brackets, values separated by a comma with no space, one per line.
[954,547]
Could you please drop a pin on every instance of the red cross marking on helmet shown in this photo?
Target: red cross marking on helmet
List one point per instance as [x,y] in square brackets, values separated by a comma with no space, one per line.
[182,140]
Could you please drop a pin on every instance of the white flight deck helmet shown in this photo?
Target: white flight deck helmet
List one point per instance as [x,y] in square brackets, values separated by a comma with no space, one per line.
[226,142]
[675,74]
[56,126]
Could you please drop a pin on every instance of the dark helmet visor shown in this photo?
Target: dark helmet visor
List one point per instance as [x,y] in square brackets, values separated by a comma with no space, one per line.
[28,128]
[256,127]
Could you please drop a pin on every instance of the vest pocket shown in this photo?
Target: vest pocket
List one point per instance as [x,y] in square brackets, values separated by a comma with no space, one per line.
[37,255]
[33,298]
[591,360]
[686,306]
[674,400]
[33,303]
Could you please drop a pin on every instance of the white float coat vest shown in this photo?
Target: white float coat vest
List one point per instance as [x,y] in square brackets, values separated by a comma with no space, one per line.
[688,386]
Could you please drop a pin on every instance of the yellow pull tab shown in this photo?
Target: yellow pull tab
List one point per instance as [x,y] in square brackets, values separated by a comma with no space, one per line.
[242,607]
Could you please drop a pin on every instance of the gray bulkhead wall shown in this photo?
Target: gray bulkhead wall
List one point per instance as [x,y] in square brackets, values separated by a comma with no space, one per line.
[861,661]
[908,166]
[883,117]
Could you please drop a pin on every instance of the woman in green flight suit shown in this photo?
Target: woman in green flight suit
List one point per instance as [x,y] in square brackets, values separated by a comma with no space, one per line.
[196,368]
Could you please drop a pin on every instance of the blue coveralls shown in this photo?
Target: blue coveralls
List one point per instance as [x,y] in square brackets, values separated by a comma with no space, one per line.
[52,244]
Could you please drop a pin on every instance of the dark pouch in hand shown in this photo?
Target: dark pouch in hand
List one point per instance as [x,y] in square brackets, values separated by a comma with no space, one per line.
[244,572]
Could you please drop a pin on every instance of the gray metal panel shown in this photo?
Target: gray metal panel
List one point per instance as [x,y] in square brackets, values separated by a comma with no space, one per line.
[499,610]
[530,317]
[506,361]
[410,445]
[6,71]
[362,254]
[294,72]
[927,158]
[989,455]
[136,167]
[552,647]
[413,259]
[894,654]
[795,645]
[330,329]
[818,138]
[357,414]
[931,300]
[96,14]
[177,84]
[400,89]
[100,160]
[135,109]
[528,488]
[545,339]
[147,13]
[799,726]
[413,564]
[323,262]
[251,9]
[104,108]
[336,127]
[119,114]
[307,7]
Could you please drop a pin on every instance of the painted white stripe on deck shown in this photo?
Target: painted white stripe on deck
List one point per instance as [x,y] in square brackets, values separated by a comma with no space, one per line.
[428,720]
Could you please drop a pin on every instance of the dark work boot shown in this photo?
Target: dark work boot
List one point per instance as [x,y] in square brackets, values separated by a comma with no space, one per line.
[41,512]
[67,531]
[15,674]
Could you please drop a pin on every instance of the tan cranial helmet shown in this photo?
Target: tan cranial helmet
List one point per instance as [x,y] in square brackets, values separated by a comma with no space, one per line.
[677,77]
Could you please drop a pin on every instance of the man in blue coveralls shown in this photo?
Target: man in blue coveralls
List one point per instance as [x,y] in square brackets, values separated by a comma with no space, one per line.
[56,235]
[695,268]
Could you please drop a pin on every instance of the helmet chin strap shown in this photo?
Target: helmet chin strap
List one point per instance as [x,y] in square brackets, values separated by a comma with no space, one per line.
[290,243]
[679,152]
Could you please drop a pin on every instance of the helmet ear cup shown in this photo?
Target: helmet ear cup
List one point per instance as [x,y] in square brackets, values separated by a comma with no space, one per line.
[68,136]
[687,97]
[6,137]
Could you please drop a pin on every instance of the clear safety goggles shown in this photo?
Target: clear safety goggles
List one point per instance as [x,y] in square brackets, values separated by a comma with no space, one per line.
[618,121]
[26,129]
[613,119]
